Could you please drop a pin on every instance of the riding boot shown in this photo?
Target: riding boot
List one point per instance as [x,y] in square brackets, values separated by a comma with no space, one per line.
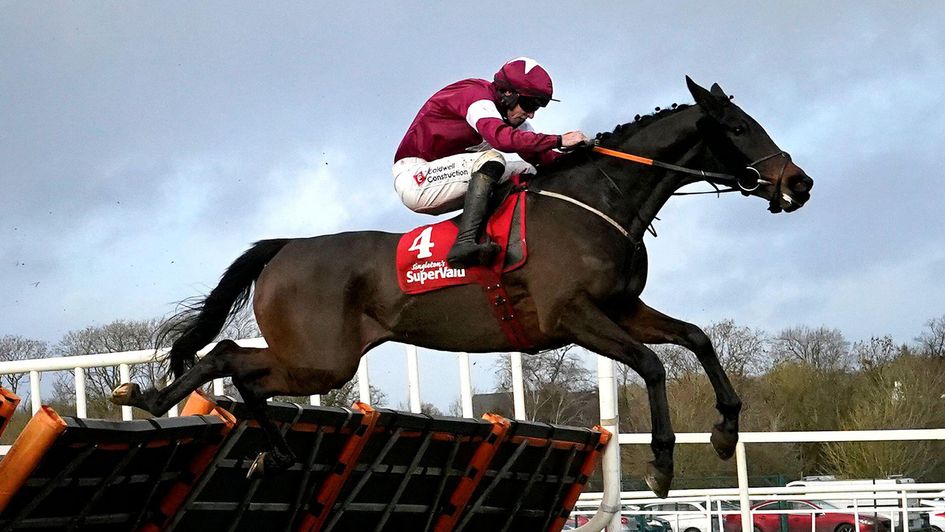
[466,251]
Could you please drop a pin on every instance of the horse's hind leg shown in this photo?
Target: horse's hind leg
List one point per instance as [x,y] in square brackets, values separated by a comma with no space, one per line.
[280,455]
[212,366]
[652,327]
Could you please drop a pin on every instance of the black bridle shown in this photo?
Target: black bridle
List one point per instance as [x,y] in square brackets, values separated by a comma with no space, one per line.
[746,182]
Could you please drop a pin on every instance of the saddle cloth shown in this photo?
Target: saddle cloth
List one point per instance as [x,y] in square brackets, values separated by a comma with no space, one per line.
[421,253]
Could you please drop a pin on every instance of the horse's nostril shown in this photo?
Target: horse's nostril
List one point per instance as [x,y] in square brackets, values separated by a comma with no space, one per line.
[807,182]
[801,183]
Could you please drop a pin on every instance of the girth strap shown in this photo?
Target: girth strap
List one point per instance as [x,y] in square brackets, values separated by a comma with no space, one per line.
[503,310]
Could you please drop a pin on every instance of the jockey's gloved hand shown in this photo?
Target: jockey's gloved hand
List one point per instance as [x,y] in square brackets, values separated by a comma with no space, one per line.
[580,141]
[572,140]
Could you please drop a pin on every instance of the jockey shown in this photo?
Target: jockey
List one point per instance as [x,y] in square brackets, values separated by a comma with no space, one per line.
[469,136]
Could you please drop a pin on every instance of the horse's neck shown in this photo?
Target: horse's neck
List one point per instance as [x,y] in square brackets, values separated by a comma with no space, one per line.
[678,143]
[631,193]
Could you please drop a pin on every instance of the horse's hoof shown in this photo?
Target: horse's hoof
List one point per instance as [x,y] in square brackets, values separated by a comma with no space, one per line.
[269,463]
[658,480]
[125,394]
[723,441]
[258,468]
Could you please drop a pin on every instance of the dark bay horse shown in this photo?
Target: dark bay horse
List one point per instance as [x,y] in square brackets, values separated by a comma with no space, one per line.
[323,302]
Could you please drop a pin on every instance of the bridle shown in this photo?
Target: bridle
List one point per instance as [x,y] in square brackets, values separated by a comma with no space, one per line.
[746,183]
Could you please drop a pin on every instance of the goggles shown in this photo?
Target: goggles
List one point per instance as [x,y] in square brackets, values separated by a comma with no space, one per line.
[530,104]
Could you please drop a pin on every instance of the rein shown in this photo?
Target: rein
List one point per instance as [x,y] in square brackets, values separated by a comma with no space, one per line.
[743,185]
[660,164]
[746,183]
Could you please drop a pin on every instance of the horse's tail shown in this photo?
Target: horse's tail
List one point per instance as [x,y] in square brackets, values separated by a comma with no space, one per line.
[200,322]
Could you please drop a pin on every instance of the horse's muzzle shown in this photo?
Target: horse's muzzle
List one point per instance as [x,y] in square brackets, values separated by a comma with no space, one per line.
[795,191]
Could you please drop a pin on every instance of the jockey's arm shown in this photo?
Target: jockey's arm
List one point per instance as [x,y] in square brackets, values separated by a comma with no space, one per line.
[568,140]
[504,137]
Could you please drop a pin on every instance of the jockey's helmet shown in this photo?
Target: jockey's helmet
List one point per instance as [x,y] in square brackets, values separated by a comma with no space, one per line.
[526,78]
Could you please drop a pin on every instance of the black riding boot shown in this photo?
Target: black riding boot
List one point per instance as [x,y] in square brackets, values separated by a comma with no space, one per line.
[466,251]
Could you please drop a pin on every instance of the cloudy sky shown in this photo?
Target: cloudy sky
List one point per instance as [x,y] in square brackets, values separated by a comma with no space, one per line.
[144,146]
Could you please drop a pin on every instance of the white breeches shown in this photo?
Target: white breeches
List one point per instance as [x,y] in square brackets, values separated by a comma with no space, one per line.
[436,187]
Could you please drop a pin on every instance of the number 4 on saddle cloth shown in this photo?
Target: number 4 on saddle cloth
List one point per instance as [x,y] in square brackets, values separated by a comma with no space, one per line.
[421,253]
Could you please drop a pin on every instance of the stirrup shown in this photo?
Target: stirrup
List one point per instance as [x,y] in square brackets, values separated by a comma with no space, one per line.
[465,254]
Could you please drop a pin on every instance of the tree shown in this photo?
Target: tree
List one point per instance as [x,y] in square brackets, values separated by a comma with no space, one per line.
[932,341]
[875,352]
[904,394]
[241,325]
[679,362]
[343,397]
[558,388]
[429,409]
[800,396]
[115,337]
[742,351]
[350,392]
[13,348]
[821,348]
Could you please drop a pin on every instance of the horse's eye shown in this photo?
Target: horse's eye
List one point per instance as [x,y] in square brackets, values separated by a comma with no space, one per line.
[738,130]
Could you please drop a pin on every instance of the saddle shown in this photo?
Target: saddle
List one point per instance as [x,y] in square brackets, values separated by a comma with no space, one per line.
[421,253]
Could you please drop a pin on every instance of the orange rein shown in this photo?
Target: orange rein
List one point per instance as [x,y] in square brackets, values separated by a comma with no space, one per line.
[625,156]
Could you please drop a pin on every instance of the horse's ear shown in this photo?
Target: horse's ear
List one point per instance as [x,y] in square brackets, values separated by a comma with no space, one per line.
[718,92]
[705,99]
[693,86]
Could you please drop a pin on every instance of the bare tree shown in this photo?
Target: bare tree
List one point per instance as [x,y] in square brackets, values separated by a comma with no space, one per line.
[349,393]
[679,362]
[558,388]
[429,409]
[741,350]
[821,348]
[875,352]
[118,336]
[240,326]
[932,340]
[14,348]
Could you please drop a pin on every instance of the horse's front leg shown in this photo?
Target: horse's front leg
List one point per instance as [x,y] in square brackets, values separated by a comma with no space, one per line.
[652,327]
[590,328]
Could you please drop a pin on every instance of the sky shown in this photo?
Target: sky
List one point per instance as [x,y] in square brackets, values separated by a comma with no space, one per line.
[145,145]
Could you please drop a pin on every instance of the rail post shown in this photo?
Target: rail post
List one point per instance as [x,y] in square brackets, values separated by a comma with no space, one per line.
[36,399]
[518,385]
[741,463]
[364,386]
[81,401]
[465,385]
[413,378]
[124,372]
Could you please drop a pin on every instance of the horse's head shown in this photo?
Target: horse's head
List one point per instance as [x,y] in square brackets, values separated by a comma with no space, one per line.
[743,147]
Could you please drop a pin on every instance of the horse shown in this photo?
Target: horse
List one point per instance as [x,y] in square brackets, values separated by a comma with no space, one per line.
[323,302]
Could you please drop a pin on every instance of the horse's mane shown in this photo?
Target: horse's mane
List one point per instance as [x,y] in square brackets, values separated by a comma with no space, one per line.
[610,139]
[624,131]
